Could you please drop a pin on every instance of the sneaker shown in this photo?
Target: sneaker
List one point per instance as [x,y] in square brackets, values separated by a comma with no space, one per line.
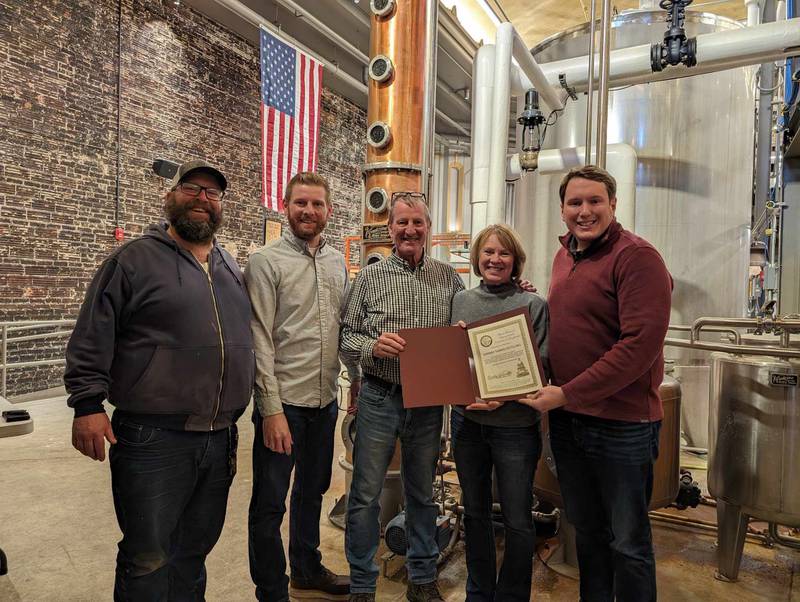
[362,597]
[423,592]
[325,585]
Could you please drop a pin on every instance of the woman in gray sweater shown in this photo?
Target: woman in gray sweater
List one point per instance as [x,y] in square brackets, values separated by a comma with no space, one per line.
[496,435]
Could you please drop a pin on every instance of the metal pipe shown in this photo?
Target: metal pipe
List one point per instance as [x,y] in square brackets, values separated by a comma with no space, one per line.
[789,542]
[506,34]
[500,108]
[321,28]
[17,325]
[753,12]
[481,141]
[715,52]
[784,323]
[602,91]
[452,123]
[4,354]
[38,337]
[737,337]
[590,81]
[700,525]
[733,349]
[429,98]
[765,91]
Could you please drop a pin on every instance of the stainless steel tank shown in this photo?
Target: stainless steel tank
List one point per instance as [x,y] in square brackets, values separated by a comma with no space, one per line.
[754,448]
[666,470]
[694,141]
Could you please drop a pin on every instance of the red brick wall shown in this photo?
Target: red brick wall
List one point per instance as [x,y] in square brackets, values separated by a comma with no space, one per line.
[188,88]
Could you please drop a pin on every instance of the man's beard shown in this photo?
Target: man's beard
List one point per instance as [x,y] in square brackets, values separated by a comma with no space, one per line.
[189,229]
[294,224]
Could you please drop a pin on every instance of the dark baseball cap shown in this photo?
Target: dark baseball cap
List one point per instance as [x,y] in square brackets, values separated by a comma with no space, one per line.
[189,167]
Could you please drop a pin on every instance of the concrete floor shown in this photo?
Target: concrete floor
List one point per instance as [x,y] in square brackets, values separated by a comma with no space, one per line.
[58,528]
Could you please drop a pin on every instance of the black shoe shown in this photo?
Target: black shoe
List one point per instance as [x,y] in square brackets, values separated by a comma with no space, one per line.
[423,592]
[325,585]
[362,597]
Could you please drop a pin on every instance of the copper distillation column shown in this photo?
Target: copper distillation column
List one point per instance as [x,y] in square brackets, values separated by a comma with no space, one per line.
[400,112]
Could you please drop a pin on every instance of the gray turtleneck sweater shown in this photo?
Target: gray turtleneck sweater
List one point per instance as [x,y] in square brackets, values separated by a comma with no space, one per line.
[485,301]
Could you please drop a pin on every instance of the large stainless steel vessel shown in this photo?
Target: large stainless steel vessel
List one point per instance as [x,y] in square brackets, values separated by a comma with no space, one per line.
[754,448]
[694,141]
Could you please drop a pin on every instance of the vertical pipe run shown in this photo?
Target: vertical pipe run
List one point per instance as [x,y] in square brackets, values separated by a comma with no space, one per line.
[602,100]
[501,102]
[429,101]
[766,83]
[590,81]
[4,355]
[481,140]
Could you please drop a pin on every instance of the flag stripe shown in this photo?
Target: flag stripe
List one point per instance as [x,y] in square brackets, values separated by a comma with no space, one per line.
[291,85]
[301,164]
[263,163]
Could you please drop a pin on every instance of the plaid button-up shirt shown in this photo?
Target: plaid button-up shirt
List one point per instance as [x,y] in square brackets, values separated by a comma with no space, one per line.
[389,295]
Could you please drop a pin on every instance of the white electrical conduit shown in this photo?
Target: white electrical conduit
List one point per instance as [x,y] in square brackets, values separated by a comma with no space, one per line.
[753,9]
[715,52]
[620,163]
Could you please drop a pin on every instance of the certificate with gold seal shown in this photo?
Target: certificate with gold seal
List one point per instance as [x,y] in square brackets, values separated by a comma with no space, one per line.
[494,359]
[504,357]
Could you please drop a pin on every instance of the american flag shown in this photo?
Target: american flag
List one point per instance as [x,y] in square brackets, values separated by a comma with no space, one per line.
[291,85]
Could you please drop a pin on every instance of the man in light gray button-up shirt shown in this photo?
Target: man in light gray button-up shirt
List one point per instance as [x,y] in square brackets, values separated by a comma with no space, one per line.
[297,285]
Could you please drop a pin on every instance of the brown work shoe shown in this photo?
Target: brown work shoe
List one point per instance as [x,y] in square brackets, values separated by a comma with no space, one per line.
[423,592]
[363,597]
[325,585]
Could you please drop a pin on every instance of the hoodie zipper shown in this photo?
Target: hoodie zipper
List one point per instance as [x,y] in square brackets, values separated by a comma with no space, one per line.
[221,342]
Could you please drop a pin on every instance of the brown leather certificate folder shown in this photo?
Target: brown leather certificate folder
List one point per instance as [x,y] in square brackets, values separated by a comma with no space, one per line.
[494,359]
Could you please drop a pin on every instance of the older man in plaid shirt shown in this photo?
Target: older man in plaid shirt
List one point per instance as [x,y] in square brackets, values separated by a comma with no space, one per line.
[406,290]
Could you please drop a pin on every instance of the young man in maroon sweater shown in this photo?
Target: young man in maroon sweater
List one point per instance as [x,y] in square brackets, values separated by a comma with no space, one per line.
[609,306]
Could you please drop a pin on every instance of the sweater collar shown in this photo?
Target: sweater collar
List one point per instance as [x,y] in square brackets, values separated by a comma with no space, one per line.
[498,289]
[569,242]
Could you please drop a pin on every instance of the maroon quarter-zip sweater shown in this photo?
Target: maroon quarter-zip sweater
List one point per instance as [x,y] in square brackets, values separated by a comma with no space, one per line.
[609,312]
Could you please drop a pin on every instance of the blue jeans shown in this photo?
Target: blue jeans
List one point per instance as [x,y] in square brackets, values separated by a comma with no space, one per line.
[312,432]
[605,469]
[381,419]
[170,493]
[513,452]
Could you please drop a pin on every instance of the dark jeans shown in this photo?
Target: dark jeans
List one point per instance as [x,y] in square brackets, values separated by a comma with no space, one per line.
[170,493]
[380,422]
[312,432]
[605,469]
[513,452]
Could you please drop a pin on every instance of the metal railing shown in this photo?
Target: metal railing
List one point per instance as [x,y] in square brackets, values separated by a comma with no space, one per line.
[784,327]
[62,328]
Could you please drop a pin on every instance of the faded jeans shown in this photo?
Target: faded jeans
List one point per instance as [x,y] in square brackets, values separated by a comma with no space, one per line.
[380,421]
